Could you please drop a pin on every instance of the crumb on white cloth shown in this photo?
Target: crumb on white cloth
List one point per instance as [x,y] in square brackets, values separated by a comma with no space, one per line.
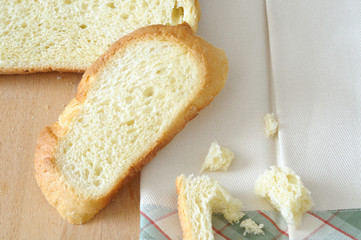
[218,158]
[284,189]
[271,124]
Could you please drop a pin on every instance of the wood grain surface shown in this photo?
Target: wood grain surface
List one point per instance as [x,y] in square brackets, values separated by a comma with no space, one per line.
[28,104]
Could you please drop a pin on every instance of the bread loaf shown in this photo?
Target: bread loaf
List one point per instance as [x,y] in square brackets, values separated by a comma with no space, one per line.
[69,35]
[130,103]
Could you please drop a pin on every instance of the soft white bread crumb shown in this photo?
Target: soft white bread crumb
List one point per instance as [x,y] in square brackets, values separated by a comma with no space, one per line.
[271,125]
[218,158]
[198,197]
[251,227]
[284,189]
[69,35]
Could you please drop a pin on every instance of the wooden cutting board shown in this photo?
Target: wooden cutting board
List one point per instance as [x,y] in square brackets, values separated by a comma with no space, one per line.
[28,104]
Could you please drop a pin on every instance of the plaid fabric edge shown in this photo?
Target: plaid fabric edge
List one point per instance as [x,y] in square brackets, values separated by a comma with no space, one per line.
[158,223]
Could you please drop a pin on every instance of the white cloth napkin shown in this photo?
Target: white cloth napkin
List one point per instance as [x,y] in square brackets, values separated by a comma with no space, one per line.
[316,69]
[299,59]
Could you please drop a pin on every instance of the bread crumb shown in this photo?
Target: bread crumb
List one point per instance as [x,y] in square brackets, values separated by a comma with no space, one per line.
[47,107]
[251,227]
[271,124]
[59,77]
[32,117]
[283,188]
[218,158]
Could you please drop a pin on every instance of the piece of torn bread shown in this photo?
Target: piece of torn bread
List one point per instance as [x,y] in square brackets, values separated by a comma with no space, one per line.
[130,103]
[69,35]
[218,158]
[198,198]
[284,189]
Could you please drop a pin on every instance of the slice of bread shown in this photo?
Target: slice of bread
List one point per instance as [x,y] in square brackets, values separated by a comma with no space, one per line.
[198,197]
[130,103]
[69,35]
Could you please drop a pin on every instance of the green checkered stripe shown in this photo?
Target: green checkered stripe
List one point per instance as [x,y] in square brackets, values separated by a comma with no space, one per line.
[162,223]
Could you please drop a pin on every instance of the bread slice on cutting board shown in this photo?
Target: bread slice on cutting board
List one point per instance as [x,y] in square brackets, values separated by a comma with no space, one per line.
[69,35]
[130,103]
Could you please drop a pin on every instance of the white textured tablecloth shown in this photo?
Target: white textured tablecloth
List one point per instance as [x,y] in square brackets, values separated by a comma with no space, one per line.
[299,59]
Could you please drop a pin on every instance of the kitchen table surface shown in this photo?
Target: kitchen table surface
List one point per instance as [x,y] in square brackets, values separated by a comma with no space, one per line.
[28,104]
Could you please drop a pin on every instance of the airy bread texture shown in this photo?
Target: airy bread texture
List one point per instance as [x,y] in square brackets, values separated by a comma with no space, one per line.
[130,103]
[284,189]
[218,158]
[69,35]
[198,197]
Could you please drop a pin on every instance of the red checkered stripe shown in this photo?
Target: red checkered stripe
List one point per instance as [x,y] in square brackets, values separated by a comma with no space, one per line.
[327,222]
[152,222]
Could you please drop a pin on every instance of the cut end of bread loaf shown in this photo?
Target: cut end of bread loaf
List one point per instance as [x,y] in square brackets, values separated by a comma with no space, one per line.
[130,103]
[198,198]
[284,189]
[69,35]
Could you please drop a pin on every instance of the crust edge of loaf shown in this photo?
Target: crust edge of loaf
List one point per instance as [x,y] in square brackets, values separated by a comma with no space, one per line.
[183,209]
[71,205]
[40,69]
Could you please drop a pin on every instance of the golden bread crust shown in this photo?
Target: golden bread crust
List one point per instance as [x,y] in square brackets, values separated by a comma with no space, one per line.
[71,204]
[183,210]
[56,190]
[40,69]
